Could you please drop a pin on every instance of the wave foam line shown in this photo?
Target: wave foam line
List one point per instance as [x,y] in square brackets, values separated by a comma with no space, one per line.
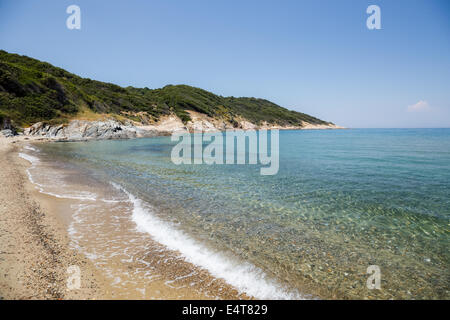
[33,160]
[28,147]
[28,157]
[245,277]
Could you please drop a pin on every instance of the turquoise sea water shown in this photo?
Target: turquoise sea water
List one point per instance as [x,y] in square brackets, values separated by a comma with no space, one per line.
[342,200]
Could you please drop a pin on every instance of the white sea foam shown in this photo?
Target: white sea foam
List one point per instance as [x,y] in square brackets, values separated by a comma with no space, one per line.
[28,157]
[89,196]
[245,277]
[27,147]
[33,161]
[82,195]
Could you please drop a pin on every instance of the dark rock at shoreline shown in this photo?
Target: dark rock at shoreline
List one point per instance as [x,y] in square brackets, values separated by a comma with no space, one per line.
[7,128]
[8,133]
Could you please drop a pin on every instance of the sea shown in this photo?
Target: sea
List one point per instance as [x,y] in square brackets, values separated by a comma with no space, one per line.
[350,214]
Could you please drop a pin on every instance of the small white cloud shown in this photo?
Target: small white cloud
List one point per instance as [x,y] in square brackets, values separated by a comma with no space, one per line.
[419,106]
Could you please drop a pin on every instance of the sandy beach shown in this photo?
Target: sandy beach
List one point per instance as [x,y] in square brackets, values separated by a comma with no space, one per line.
[34,250]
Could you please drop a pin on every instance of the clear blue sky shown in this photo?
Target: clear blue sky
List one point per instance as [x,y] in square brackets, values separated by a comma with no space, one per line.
[316,57]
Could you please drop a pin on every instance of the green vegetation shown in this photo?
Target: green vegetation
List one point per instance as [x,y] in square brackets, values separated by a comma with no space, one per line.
[32,91]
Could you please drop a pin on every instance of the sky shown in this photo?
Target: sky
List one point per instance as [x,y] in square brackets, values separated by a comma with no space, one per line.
[316,57]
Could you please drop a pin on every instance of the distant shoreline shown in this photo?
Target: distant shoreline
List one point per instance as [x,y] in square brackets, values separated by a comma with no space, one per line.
[110,128]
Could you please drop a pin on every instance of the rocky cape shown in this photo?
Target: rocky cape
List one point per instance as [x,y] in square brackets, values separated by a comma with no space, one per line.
[110,128]
[81,130]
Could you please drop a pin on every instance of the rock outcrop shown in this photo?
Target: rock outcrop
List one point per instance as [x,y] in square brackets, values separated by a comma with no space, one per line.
[7,129]
[7,133]
[81,130]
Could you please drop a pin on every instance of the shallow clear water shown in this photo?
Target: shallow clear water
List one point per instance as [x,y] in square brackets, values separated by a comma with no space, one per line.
[341,201]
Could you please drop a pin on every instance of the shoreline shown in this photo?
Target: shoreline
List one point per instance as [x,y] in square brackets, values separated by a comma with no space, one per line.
[110,128]
[35,249]
[32,225]
[34,246]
